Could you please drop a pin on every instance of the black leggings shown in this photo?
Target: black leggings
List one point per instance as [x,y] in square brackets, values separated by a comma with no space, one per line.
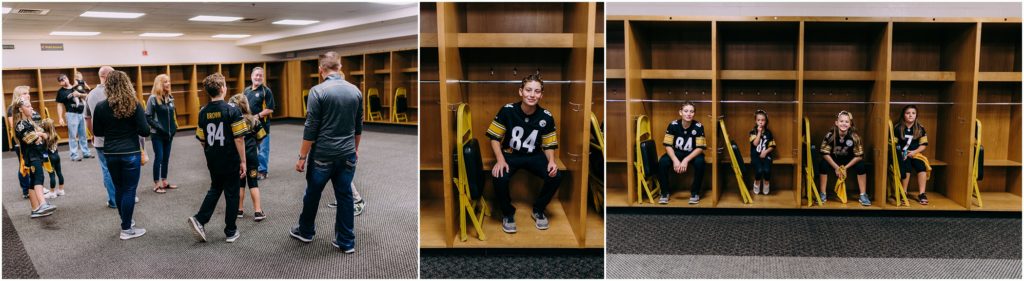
[762,167]
[665,169]
[55,163]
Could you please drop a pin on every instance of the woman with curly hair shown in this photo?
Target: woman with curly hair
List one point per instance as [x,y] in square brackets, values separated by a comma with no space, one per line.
[120,120]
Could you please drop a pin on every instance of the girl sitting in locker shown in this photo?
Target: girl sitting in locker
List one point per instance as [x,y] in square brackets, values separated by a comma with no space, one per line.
[523,136]
[252,139]
[762,144]
[51,159]
[684,145]
[912,142]
[843,151]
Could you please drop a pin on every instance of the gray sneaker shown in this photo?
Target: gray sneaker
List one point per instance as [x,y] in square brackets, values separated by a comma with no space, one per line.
[824,197]
[360,206]
[132,233]
[694,199]
[864,201]
[234,237]
[47,208]
[663,199]
[197,229]
[38,214]
[508,224]
[541,219]
[757,189]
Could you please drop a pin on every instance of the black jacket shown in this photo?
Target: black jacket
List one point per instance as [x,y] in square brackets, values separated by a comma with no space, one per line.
[162,117]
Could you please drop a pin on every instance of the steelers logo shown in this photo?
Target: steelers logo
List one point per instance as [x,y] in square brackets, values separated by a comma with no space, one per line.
[252,173]
[543,123]
[693,132]
[849,142]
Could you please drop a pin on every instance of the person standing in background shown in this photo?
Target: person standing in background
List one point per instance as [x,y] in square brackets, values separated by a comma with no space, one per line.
[261,104]
[71,105]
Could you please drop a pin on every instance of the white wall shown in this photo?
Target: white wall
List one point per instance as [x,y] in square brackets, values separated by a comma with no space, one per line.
[126,52]
[882,9]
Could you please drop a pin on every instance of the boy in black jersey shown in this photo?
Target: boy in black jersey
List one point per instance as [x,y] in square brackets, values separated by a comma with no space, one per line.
[221,131]
[523,136]
[842,151]
[912,141]
[684,149]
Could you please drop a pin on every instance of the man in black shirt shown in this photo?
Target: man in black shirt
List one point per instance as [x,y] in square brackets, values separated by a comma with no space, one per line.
[71,104]
[523,136]
[221,131]
[261,104]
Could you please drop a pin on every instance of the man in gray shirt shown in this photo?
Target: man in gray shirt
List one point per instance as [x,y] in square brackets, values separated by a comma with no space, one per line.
[334,123]
[96,96]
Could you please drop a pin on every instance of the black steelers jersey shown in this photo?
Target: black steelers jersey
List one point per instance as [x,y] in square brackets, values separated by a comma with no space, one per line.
[523,134]
[846,146]
[905,138]
[767,140]
[684,139]
[219,124]
[253,137]
[32,145]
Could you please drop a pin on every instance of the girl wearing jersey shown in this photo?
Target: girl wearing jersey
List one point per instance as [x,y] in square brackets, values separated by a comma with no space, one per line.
[684,151]
[252,139]
[52,161]
[912,142]
[523,136]
[762,144]
[843,151]
[31,141]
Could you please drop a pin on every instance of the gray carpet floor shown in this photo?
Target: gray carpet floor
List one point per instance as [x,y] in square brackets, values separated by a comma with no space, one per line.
[81,239]
[512,264]
[652,245]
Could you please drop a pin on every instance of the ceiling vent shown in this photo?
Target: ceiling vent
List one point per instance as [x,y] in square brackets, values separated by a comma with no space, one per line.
[249,20]
[34,12]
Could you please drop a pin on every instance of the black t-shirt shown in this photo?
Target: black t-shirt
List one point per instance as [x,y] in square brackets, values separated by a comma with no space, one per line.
[259,99]
[906,141]
[757,146]
[32,145]
[519,133]
[71,104]
[219,124]
[684,140]
[848,146]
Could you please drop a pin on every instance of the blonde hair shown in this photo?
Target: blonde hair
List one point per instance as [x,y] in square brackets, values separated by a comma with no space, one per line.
[51,134]
[243,104]
[16,102]
[158,88]
[852,132]
[121,94]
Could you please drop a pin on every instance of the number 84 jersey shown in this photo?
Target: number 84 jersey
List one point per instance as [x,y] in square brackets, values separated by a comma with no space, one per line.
[684,140]
[523,134]
[219,124]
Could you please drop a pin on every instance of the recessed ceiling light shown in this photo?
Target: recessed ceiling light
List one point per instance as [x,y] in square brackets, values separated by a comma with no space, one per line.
[158,34]
[7,10]
[296,22]
[75,33]
[215,18]
[234,36]
[112,15]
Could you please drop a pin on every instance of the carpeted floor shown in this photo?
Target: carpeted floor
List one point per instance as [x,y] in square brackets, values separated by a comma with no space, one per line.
[80,240]
[682,245]
[512,264]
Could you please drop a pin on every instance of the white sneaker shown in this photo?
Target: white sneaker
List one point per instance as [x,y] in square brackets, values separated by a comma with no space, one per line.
[234,237]
[766,188]
[60,192]
[136,199]
[132,233]
[757,189]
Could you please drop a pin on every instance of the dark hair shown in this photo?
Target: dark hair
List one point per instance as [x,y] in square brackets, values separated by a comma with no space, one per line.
[213,83]
[761,112]
[62,77]
[532,78]
[917,128]
[688,103]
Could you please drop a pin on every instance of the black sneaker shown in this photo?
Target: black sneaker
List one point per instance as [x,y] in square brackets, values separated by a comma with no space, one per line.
[241,213]
[295,234]
[232,238]
[258,216]
[197,229]
[922,199]
[347,251]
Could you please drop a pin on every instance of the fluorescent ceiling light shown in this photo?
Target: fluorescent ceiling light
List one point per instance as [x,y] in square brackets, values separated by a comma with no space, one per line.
[394,2]
[112,15]
[158,34]
[234,36]
[296,22]
[215,18]
[7,10]
[75,33]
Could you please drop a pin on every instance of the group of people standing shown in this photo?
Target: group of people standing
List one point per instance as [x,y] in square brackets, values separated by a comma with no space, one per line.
[233,132]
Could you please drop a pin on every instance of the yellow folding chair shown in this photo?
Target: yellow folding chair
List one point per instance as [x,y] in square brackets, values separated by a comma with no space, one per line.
[737,161]
[373,104]
[597,157]
[469,165]
[646,161]
[812,188]
[975,185]
[400,106]
[899,191]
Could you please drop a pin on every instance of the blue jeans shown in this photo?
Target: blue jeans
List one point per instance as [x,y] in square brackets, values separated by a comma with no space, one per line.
[340,172]
[124,171]
[264,153]
[107,182]
[78,142]
[161,155]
